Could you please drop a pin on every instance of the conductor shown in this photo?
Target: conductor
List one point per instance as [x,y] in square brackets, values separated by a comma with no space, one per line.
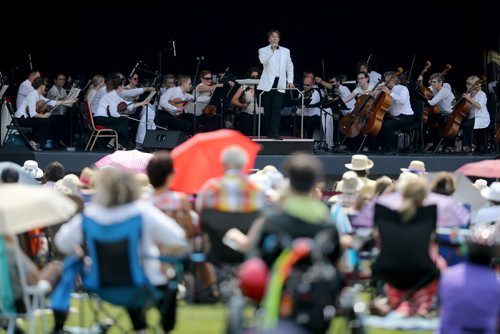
[277,73]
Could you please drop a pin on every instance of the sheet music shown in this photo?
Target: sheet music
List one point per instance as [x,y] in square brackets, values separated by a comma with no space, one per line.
[73,93]
[248,81]
[3,90]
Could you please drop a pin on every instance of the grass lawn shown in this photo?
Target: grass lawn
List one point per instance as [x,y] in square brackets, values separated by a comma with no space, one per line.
[191,319]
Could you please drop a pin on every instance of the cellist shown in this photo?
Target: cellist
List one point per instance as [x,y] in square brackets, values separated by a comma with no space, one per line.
[400,113]
[479,117]
[443,98]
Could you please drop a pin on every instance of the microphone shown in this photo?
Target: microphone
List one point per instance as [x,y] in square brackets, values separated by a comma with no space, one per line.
[31,64]
[200,58]
[173,46]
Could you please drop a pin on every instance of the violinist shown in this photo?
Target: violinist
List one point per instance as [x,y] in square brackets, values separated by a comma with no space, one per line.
[37,118]
[59,119]
[206,111]
[244,99]
[312,111]
[443,98]
[400,113]
[172,114]
[109,115]
[479,117]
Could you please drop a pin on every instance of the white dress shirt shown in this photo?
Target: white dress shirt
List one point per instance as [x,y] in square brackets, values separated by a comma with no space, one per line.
[481,115]
[443,98]
[110,100]
[170,94]
[29,104]
[400,101]
[24,89]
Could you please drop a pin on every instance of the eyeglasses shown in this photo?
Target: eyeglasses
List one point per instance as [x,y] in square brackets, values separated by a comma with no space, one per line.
[361,78]
[135,78]
[433,81]
[207,78]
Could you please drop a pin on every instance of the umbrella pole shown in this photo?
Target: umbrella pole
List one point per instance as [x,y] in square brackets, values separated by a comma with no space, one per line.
[24,284]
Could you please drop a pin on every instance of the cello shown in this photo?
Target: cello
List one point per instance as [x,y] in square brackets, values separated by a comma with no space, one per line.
[375,114]
[426,93]
[352,123]
[461,110]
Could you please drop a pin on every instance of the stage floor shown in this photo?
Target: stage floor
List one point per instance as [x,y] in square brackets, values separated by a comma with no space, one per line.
[334,163]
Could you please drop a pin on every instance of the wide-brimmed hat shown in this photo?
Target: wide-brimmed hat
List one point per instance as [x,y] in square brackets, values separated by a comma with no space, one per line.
[351,183]
[359,162]
[31,166]
[86,177]
[416,166]
[492,192]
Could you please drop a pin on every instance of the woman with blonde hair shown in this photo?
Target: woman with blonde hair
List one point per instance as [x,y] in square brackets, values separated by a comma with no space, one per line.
[414,193]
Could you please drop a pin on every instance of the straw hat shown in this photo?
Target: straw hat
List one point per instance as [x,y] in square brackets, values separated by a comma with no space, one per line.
[492,192]
[31,166]
[359,162]
[351,183]
[86,177]
[416,166]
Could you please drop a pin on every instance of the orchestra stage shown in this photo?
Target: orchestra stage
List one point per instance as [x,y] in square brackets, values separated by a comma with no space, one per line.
[273,153]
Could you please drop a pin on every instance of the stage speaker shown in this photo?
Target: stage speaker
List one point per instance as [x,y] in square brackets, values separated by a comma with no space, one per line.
[163,139]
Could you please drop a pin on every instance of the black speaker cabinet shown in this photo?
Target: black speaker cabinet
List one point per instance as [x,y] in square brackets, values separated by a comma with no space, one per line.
[163,139]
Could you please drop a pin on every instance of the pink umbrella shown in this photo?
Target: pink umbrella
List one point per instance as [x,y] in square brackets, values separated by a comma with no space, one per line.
[133,161]
[483,168]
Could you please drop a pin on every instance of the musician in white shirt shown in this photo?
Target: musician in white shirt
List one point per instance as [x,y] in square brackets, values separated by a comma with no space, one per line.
[26,87]
[400,113]
[172,105]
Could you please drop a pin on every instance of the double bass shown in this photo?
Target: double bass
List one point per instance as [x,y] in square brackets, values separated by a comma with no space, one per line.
[381,104]
[352,123]
[461,110]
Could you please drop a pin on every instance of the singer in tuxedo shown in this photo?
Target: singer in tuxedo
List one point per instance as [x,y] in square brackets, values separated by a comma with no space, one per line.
[277,73]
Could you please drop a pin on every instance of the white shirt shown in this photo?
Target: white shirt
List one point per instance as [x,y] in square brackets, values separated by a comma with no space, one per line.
[57,93]
[374,77]
[400,101]
[157,228]
[312,111]
[170,94]
[487,215]
[443,98]
[481,115]
[111,101]
[97,98]
[30,103]
[24,89]
[344,91]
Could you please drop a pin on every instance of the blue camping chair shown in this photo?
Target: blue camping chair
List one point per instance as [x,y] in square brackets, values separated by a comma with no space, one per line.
[116,274]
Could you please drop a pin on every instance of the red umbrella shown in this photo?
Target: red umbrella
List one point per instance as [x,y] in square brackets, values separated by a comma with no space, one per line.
[198,159]
[483,168]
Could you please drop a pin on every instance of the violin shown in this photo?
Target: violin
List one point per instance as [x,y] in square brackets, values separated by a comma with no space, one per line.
[42,107]
[461,110]
[178,102]
[497,137]
[121,107]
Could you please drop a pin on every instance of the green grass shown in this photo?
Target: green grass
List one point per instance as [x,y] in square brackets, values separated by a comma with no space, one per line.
[191,319]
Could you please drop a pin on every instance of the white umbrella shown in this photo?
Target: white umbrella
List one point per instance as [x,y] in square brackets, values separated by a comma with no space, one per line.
[26,207]
[134,161]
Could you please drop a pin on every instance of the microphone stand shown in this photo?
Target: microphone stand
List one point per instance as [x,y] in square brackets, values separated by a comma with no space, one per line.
[199,59]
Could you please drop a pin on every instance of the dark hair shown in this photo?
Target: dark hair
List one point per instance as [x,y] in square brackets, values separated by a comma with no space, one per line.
[303,170]
[249,72]
[272,31]
[39,81]
[159,168]
[54,172]
[365,74]
[10,175]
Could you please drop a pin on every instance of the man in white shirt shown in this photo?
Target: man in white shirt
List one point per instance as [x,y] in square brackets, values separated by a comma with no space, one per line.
[25,87]
[400,113]
[277,73]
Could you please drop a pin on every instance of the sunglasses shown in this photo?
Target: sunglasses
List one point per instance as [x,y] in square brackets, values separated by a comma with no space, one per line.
[208,78]
[433,81]
[135,78]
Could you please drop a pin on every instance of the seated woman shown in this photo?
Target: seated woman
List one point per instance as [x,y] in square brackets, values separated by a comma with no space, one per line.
[408,264]
[116,201]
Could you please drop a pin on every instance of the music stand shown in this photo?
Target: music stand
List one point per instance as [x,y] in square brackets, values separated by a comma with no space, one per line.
[254,83]
[301,107]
